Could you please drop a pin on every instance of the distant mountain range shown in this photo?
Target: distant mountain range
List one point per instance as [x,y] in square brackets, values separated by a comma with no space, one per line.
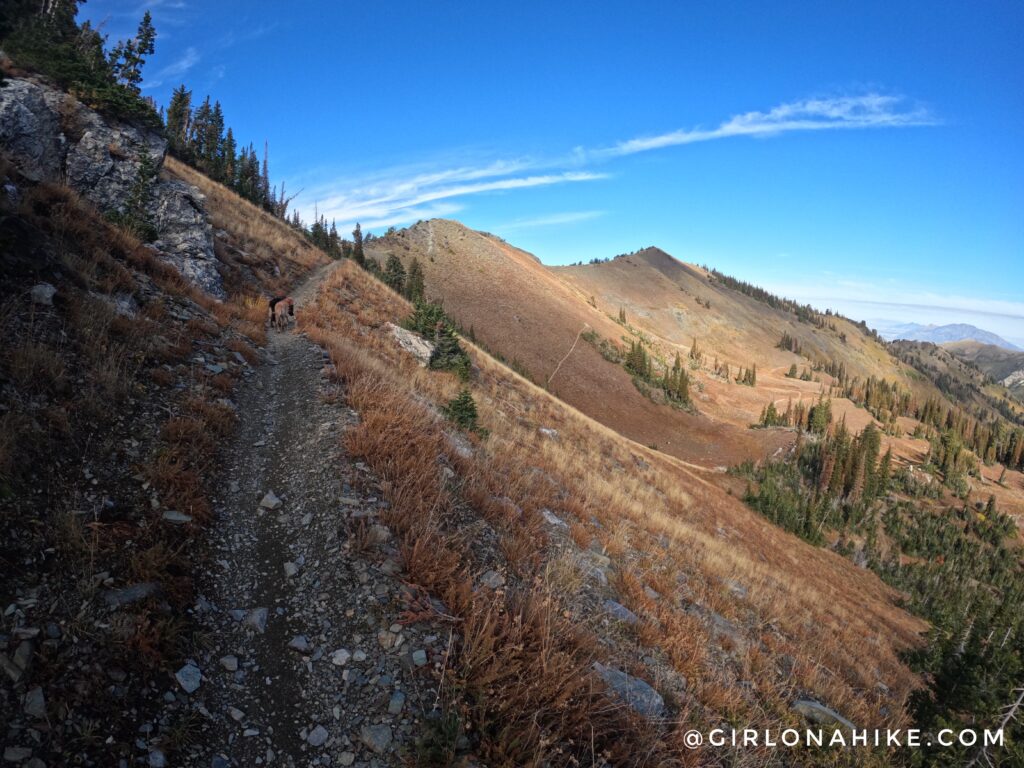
[939,334]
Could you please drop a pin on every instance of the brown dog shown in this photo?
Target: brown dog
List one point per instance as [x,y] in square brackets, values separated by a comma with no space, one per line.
[282,311]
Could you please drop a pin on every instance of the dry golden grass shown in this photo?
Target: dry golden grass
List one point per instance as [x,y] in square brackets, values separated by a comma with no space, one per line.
[261,253]
[810,623]
[522,684]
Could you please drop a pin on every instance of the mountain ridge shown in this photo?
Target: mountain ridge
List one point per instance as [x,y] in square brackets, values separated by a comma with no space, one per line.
[940,334]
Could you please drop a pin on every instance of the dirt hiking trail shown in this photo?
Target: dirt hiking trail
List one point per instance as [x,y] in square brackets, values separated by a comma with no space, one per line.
[305,661]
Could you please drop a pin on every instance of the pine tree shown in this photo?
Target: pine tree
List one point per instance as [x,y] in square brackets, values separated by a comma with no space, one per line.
[622,315]
[394,273]
[448,354]
[357,246]
[129,56]
[264,193]
[414,282]
[199,131]
[229,152]
[461,410]
[179,118]
[135,217]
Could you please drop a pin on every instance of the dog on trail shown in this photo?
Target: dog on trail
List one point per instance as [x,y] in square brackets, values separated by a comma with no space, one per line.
[282,312]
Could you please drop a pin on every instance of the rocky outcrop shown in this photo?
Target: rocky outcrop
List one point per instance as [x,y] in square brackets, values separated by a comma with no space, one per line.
[51,137]
[185,234]
[104,163]
[30,130]
[412,343]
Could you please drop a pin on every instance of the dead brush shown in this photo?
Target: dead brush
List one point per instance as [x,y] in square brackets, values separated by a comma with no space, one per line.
[180,486]
[37,365]
[680,527]
[522,681]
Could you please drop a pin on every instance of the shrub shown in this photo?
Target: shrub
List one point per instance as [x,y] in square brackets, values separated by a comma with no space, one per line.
[461,410]
[425,317]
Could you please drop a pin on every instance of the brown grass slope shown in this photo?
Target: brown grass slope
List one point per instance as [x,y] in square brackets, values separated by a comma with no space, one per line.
[959,377]
[525,312]
[742,617]
[996,362]
[678,302]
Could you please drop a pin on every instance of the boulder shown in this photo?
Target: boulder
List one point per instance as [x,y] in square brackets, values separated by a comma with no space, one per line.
[43,294]
[412,343]
[640,696]
[620,612]
[820,714]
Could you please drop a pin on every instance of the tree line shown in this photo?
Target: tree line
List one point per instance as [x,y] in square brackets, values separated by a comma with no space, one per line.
[44,37]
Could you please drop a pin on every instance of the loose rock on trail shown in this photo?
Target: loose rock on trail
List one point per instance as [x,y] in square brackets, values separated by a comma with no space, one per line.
[305,661]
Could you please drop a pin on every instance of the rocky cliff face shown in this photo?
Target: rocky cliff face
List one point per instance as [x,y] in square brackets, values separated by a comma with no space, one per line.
[50,137]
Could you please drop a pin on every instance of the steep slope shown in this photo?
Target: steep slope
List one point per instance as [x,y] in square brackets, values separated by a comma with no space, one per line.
[681,302]
[639,563]
[117,375]
[960,379]
[520,309]
[998,363]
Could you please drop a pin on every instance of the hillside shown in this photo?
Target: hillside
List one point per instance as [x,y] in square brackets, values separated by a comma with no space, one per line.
[958,374]
[531,315]
[521,310]
[998,363]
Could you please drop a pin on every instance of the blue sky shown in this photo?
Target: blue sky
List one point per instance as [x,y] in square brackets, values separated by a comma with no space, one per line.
[867,156]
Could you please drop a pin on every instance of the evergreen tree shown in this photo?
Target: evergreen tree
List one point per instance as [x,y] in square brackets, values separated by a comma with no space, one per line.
[229,159]
[199,132]
[213,143]
[357,246]
[135,217]
[820,417]
[129,56]
[425,318]
[394,273]
[462,411]
[448,354]
[264,190]
[179,118]
[414,282]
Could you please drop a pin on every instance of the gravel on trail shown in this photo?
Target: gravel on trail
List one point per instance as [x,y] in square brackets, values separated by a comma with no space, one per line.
[305,659]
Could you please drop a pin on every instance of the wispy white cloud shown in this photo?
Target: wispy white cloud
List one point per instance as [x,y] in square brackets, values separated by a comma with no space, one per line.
[552,220]
[872,110]
[397,195]
[397,199]
[188,59]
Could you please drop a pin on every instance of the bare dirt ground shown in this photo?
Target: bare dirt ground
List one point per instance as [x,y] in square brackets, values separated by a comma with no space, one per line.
[306,661]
